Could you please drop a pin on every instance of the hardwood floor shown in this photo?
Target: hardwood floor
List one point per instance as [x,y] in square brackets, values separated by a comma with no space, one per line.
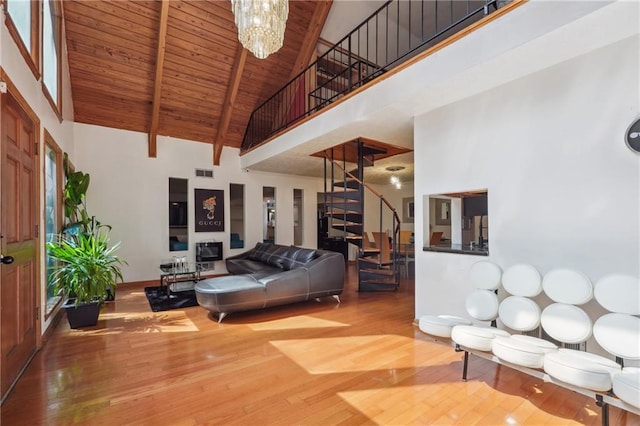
[360,362]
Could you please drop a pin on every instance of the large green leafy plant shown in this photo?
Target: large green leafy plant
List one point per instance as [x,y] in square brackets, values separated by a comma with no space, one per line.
[86,267]
[75,191]
[86,264]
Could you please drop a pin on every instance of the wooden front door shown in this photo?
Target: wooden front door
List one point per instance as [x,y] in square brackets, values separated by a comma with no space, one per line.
[18,239]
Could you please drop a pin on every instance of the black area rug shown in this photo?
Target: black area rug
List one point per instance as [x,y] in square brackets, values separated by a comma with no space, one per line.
[159,301]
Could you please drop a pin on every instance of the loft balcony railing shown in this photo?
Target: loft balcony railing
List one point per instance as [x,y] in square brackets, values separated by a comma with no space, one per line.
[397,31]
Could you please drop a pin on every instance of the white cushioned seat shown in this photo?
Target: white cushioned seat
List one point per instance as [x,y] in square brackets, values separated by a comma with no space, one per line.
[545,345]
[582,369]
[567,286]
[566,323]
[440,325]
[619,293]
[525,352]
[619,334]
[485,275]
[519,313]
[481,303]
[474,337]
[522,280]
[626,386]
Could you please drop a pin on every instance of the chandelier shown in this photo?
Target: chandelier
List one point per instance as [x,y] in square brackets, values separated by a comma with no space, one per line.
[261,24]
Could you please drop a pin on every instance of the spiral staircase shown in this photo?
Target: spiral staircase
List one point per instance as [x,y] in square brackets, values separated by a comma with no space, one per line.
[343,209]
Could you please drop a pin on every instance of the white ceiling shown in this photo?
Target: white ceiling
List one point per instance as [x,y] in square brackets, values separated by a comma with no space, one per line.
[531,37]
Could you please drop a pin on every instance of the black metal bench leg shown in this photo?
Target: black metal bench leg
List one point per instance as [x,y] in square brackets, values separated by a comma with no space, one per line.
[604,410]
[465,363]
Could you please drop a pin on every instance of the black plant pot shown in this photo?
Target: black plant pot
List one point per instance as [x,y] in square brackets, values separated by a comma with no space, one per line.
[83,315]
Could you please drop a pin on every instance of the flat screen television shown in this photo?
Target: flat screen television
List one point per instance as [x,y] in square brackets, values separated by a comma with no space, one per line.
[209,251]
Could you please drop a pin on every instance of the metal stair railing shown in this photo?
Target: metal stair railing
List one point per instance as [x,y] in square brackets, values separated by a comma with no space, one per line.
[394,33]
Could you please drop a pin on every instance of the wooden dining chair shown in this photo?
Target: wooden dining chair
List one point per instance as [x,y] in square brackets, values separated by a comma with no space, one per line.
[382,243]
[368,248]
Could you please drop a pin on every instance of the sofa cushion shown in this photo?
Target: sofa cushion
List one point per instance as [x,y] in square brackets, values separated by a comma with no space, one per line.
[277,255]
[249,266]
[297,257]
[261,252]
[254,253]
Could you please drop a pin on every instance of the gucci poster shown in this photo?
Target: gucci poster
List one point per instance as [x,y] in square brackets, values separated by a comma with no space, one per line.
[209,208]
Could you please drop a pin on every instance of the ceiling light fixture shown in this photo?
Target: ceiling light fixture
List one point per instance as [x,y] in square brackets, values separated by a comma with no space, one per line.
[261,24]
[395,180]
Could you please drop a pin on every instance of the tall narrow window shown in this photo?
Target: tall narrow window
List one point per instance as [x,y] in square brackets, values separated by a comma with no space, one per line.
[236,199]
[178,214]
[269,209]
[51,53]
[53,207]
[23,23]
[297,216]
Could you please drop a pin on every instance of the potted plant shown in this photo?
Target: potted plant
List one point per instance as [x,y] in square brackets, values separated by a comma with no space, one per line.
[86,268]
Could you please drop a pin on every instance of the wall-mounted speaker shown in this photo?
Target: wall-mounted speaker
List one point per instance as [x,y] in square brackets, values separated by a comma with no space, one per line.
[632,137]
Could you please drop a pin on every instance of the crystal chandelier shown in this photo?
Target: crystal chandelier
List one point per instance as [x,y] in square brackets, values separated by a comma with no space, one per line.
[261,24]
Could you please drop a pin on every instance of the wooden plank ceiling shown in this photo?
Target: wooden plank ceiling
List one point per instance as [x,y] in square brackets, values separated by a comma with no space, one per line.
[176,68]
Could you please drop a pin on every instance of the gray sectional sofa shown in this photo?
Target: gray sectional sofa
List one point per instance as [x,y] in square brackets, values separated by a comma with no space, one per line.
[270,275]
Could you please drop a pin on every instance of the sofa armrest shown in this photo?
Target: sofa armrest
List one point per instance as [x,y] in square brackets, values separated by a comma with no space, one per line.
[291,286]
[326,273]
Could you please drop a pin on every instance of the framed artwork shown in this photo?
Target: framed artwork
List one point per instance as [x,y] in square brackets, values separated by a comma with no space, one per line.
[407,210]
[443,212]
[209,210]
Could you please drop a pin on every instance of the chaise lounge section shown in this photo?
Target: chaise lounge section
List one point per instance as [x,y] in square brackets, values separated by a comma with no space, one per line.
[271,275]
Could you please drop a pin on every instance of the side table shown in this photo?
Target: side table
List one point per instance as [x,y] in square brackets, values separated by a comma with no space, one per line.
[177,274]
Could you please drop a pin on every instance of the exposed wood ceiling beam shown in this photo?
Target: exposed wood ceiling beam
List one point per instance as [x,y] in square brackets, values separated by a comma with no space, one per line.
[162,42]
[229,101]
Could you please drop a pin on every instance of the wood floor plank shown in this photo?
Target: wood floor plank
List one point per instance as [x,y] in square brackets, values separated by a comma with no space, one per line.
[314,363]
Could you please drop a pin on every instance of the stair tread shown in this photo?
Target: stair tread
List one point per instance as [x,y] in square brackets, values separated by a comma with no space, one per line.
[373,261]
[389,272]
[388,281]
[353,217]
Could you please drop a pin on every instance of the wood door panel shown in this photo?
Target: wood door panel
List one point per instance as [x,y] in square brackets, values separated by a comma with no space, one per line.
[10,294]
[19,217]
[27,298]
[10,208]
[26,214]
[26,139]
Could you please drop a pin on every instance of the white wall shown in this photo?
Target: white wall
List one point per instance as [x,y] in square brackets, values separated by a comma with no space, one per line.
[564,190]
[129,191]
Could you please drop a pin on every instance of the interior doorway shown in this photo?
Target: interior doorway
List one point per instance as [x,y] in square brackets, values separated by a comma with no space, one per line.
[19,241]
